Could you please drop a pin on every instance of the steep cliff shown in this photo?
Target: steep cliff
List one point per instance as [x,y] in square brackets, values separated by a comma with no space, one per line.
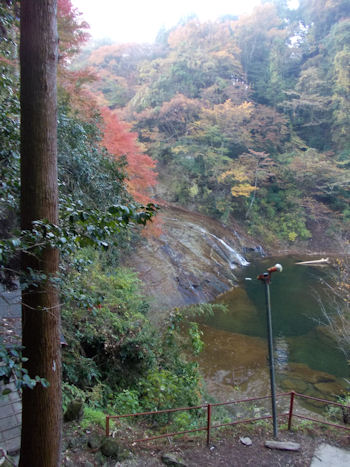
[194,259]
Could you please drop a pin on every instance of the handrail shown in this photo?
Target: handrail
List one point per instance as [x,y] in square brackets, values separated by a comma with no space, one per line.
[304,396]
[209,407]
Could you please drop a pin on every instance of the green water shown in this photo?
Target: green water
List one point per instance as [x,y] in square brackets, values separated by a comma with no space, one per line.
[297,321]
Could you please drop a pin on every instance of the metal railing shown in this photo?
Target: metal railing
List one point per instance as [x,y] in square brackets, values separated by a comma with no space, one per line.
[209,426]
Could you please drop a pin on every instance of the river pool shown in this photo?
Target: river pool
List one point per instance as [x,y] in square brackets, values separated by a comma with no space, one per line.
[235,362]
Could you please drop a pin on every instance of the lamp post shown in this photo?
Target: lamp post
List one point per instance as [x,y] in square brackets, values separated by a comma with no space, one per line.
[266,279]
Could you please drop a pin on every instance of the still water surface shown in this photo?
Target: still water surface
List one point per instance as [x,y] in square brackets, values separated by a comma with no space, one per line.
[307,359]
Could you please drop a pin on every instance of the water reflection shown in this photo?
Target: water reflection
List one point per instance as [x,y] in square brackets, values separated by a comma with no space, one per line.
[281,352]
[307,359]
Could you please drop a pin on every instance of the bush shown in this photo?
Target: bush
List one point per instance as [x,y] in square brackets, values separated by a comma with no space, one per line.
[93,417]
[127,401]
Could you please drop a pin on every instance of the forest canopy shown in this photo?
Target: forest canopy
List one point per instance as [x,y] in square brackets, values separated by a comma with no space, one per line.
[249,115]
[243,119]
[104,177]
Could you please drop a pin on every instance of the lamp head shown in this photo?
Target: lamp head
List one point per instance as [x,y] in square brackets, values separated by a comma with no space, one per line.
[277,267]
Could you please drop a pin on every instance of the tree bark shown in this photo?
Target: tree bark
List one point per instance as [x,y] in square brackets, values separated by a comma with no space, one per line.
[42,413]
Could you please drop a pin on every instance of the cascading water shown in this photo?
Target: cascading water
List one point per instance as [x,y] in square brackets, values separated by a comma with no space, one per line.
[194,260]
[227,252]
[233,254]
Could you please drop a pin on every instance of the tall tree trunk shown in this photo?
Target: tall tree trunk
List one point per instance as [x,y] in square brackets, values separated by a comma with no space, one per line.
[41,417]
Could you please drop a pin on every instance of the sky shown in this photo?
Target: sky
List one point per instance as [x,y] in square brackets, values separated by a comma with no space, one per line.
[140,20]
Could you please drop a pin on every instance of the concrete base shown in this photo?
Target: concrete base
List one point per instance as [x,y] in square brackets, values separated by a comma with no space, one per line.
[283,445]
[330,456]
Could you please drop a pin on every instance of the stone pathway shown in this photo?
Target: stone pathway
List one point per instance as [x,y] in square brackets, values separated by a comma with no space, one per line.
[10,405]
[10,421]
[330,456]
[10,303]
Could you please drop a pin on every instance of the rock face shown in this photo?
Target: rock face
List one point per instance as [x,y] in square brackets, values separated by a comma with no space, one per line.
[193,261]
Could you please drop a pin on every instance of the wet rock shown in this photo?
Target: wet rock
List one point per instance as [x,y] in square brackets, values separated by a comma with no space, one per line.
[330,389]
[172,460]
[193,260]
[255,250]
[309,375]
[294,384]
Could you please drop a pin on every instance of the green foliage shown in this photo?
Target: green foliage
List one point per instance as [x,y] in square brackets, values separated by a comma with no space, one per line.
[9,157]
[86,172]
[164,389]
[127,401]
[336,413]
[71,393]
[149,369]
[114,355]
[93,417]
[116,331]
[248,120]
[274,81]
[195,335]
[11,369]
[95,209]
[277,210]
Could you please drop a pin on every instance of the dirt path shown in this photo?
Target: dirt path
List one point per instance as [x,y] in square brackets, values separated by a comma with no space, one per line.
[226,449]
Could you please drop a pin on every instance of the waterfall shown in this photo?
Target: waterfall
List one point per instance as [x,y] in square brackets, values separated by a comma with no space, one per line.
[228,253]
[233,253]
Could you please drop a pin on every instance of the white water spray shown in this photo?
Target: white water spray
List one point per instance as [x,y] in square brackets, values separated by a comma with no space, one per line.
[230,253]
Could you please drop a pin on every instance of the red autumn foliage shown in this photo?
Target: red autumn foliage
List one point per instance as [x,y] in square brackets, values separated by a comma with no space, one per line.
[120,141]
[117,137]
[72,31]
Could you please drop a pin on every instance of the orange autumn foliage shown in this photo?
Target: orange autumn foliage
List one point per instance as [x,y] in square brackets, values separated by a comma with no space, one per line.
[72,30]
[117,137]
[120,141]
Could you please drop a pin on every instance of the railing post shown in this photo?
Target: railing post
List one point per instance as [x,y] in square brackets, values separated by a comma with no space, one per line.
[107,425]
[291,405]
[208,423]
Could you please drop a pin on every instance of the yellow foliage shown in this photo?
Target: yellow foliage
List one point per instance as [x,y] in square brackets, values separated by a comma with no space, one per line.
[292,236]
[228,112]
[238,173]
[180,149]
[193,191]
[243,189]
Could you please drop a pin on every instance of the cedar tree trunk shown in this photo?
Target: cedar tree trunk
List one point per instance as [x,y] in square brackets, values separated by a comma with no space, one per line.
[41,417]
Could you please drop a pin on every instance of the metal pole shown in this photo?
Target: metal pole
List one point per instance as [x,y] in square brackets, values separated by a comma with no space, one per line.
[208,424]
[107,425]
[291,406]
[271,358]
[266,278]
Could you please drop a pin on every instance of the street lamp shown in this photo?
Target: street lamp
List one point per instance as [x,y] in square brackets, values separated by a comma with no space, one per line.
[266,279]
